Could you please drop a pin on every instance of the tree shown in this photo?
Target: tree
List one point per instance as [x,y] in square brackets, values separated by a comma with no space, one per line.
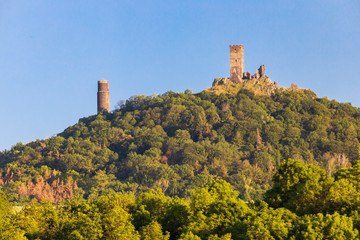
[153,231]
[324,227]
[264,223]
[215,209]
[151,206]
[216,237]
[298,187]
[80,220]
[189,236]
[8,231]
[117,225]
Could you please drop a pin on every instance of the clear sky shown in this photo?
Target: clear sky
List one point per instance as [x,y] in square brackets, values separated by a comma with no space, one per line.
[52,53]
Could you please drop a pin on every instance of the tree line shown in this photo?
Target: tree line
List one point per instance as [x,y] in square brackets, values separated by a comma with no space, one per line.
[304,203]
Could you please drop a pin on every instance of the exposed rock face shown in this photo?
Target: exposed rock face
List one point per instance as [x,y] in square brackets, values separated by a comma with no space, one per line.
[226,81]
[260,86]
[221,81]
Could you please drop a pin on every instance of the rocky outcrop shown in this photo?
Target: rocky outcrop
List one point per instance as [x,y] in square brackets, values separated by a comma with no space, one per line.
[259,83]
[221,81]
[261,86]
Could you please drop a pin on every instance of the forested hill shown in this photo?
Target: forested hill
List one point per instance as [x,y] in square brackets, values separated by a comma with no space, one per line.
[180,141]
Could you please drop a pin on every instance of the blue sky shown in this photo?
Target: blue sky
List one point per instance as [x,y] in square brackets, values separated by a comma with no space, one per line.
[52,53]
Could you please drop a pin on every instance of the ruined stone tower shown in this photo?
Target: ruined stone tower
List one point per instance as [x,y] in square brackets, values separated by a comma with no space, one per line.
[237,71]
[261,71]
[236,63]
[103,96]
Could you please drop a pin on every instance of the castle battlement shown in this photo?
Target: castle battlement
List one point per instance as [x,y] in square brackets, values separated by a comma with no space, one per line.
[237,46]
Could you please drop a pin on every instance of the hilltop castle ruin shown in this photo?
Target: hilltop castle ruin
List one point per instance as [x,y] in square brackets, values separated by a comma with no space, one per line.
[237,72]
[258,82]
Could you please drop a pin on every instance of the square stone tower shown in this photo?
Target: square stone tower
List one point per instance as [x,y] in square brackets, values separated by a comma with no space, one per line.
[236,63]
[103,96]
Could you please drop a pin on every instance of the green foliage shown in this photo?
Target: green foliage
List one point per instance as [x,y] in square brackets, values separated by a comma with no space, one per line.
[181,141]
[352,174]
[8,230]
[214,212]
[189,236]
[216,237]
[155,206]
[306,189]
[215,209]
[265,223]
[299,187]
[171,151]
[153,231]
[325,227]
[105,218]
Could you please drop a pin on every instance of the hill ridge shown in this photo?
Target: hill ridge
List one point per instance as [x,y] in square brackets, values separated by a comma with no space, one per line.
[180,141]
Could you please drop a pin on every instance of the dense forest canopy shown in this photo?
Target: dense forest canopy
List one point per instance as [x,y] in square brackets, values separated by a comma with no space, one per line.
[180,141]
[191,166]
[304,203]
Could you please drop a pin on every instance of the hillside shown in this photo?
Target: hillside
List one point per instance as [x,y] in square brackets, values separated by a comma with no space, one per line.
[180,141]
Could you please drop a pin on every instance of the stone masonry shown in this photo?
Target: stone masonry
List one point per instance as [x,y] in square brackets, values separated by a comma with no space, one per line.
[237,72]
[236,63]
[262,71]
[103,96]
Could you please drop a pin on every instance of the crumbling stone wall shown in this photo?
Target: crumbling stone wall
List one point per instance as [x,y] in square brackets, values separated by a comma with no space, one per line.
[261,71]
[237,72]
[294,86]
